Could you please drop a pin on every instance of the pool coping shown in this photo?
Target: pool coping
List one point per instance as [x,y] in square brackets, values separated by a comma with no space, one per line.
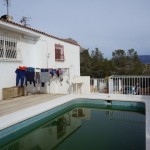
[21,115]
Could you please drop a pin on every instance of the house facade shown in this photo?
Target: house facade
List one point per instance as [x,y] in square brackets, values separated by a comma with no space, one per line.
[24,46]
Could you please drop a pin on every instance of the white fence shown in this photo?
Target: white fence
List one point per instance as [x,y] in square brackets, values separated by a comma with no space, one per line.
[121,84]
[98,85]
[135,85]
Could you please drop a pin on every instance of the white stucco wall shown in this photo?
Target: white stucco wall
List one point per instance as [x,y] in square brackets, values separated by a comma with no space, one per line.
[39,51]
[81,84]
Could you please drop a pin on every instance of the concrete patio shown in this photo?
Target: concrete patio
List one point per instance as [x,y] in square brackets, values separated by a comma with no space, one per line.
[15,104]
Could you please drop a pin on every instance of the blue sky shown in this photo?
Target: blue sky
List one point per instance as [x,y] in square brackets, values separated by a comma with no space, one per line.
[106,24]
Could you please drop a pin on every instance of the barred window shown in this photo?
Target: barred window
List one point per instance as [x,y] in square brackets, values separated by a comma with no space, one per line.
[8,47]
[59,52]
[1,48]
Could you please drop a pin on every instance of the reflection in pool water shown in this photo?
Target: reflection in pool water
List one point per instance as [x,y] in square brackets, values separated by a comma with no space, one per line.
[86,129]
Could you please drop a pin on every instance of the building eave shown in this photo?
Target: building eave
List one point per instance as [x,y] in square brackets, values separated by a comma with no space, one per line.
[12,26]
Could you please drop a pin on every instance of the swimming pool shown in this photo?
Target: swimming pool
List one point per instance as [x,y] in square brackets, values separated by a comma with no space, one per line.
[57,124]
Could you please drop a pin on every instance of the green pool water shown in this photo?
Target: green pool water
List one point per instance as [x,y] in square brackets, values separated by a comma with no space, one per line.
[103,127]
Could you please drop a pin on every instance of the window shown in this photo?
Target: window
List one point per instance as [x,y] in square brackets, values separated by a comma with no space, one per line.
[59,52]
[8,47]
[1,48]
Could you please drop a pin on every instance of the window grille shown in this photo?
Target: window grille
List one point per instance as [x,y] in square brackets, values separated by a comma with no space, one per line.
[59,52]
[9,50]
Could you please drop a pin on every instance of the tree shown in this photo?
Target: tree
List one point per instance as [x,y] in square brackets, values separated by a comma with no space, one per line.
[133,65]
[127,64]
[119,60]
[85,63]
[97,55]
[108,67]
[122,63]
[96,63]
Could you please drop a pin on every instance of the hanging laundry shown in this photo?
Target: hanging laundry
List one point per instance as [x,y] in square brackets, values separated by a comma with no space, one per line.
[42,84]
[64,71]
[57,73]
[31,69]
[20,75]
[45,77]
[30,73]
[37,75]
[60,72]
[37,70]
[22,67]
[52,72]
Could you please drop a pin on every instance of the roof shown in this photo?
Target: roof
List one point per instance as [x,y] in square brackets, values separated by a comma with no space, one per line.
[37,31]
[145,59]
[70,40]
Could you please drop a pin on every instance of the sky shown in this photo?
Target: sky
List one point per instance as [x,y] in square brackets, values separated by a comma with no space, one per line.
[105,24]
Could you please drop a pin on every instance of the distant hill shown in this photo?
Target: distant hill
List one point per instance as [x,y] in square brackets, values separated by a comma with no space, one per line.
[145,59]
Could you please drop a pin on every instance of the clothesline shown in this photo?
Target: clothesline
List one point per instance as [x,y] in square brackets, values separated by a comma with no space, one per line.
[37,75]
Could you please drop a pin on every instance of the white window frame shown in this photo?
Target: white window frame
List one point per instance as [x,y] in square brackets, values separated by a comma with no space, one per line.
[9,50]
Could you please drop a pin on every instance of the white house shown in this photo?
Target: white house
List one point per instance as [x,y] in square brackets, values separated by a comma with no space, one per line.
[25,46]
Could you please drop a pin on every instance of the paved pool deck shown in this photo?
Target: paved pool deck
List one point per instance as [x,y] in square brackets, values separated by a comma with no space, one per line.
[16,111]
[15,104]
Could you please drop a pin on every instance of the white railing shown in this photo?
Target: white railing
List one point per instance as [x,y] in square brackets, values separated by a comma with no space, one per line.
[134,85]
[121,84]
